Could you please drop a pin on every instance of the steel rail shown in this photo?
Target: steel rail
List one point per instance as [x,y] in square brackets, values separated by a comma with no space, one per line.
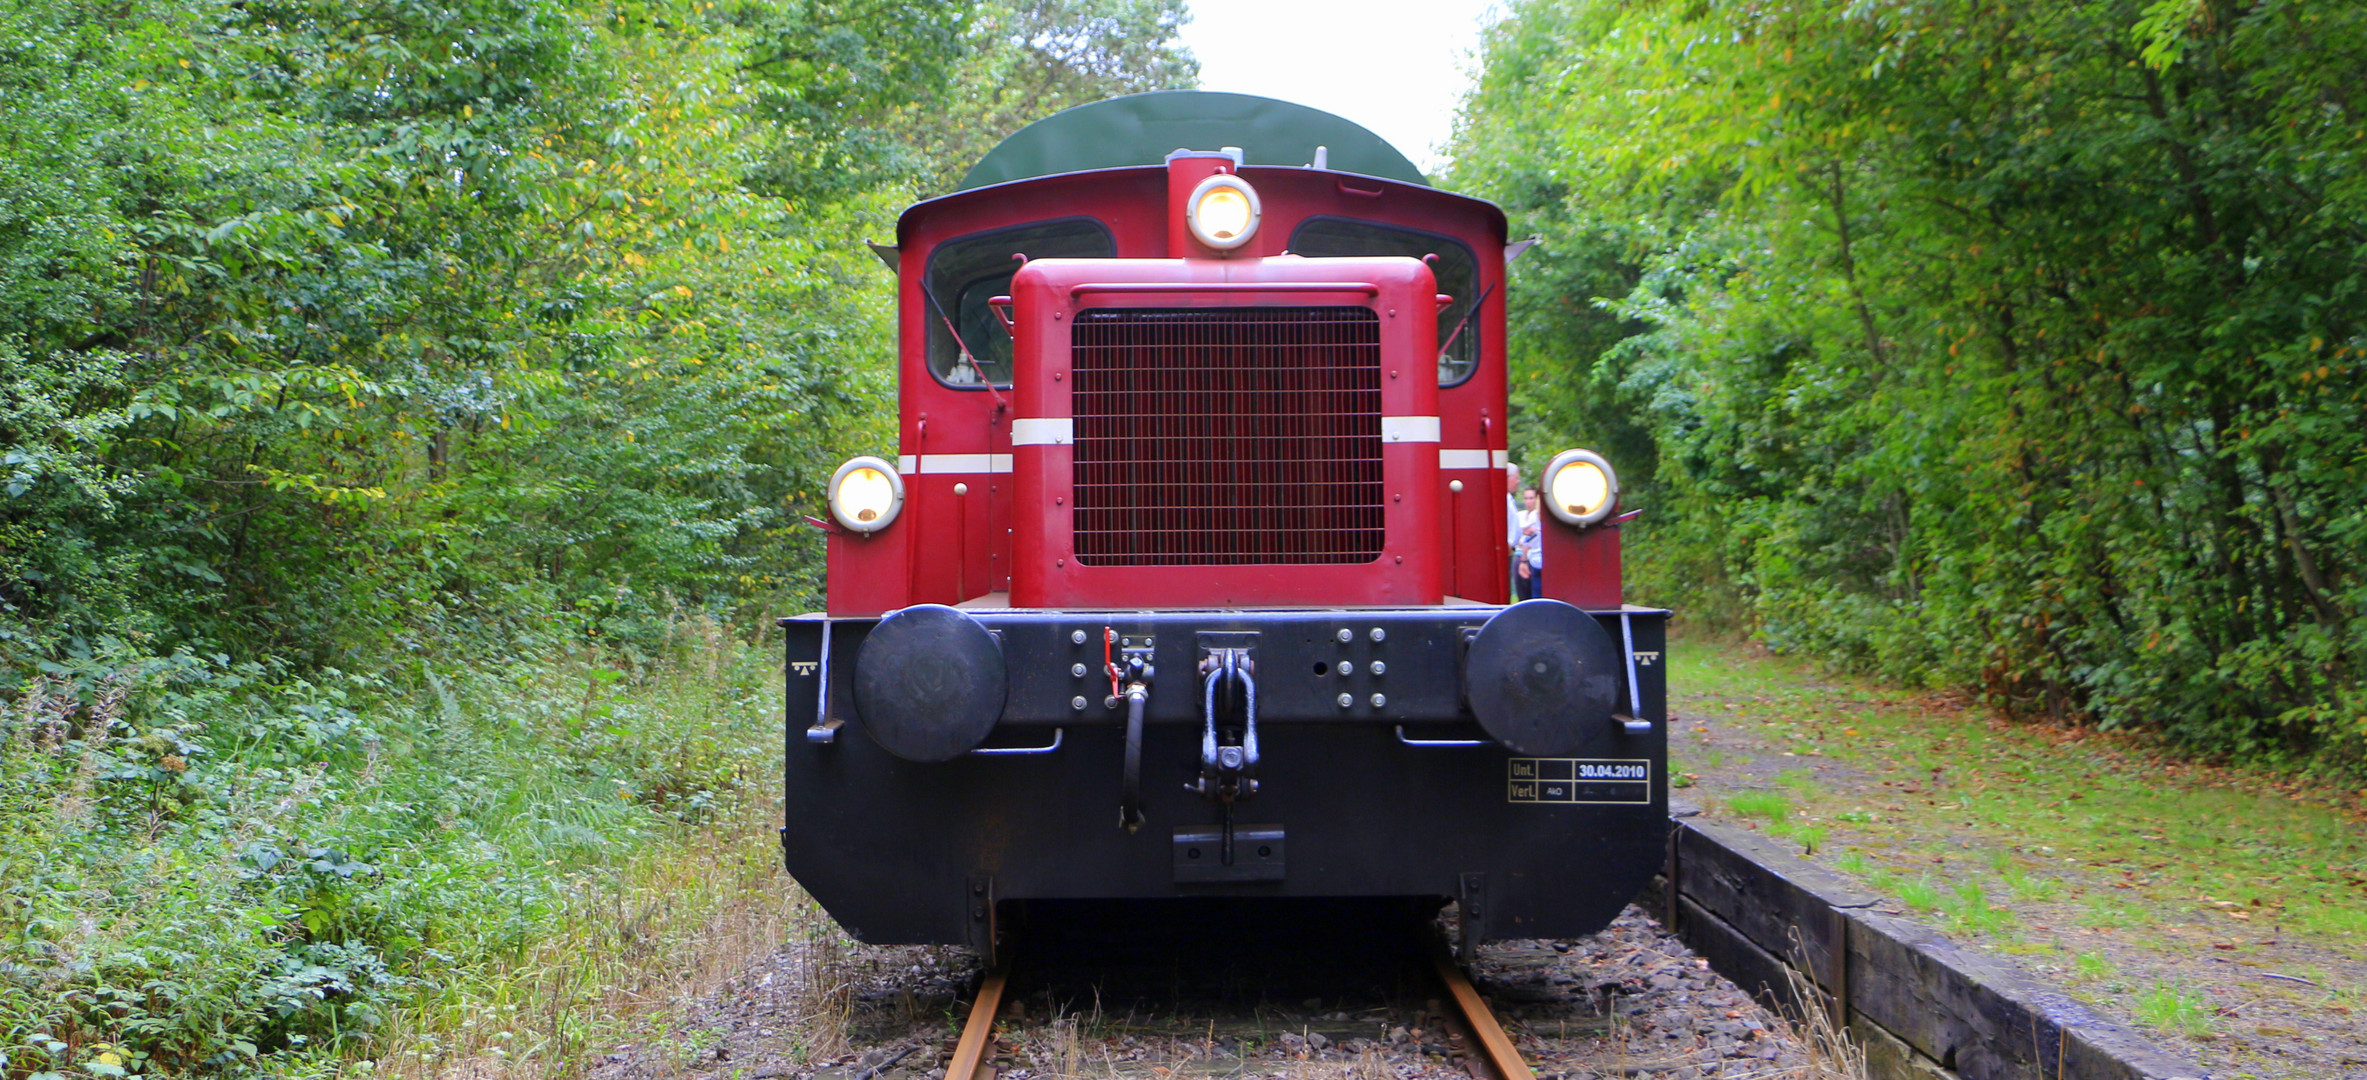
[1501,1059]
[1473,1023]
[971,1057]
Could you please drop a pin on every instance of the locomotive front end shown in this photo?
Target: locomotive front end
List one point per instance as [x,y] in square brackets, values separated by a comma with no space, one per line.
[1188,580]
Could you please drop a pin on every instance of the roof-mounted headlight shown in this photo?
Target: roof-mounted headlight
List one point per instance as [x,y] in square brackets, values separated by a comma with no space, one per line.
[1222,212]
[865,494]
[1580,487]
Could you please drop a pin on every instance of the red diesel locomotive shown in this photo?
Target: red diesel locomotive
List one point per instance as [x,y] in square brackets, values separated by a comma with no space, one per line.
[1188,575]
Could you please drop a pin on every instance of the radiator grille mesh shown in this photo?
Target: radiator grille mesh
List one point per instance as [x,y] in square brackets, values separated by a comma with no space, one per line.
[1227,436]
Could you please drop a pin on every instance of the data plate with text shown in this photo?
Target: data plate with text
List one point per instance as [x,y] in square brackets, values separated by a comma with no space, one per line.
[1580,780]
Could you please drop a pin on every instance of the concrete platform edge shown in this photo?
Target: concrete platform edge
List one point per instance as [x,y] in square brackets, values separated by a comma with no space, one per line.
[1923,1007]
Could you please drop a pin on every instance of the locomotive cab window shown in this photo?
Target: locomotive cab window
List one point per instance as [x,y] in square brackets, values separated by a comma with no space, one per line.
[1457,271]
[965,272]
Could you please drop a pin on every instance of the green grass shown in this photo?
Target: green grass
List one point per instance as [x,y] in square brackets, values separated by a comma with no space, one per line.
[2086,807]
[1919,895]
[1773,807]
[2032,890]
[2171,1009]
[2090,966]
[2107,915]
[1970,912]
[2025,887]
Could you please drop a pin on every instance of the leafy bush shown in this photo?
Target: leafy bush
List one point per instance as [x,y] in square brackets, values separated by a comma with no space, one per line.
[2016,347]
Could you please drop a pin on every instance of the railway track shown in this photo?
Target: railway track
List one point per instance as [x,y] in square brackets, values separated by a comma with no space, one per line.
[1681,988]
[1483,1048]
[1780,930]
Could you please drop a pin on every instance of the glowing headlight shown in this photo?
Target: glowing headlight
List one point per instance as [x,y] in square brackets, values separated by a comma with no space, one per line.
[865,494]
[1580,487]
[1222,212]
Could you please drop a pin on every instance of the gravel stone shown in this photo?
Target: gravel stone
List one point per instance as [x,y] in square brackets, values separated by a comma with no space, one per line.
[1630,1003]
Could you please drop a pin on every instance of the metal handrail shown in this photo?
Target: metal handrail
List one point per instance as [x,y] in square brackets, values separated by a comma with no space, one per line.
[1057,735]
[1437,742]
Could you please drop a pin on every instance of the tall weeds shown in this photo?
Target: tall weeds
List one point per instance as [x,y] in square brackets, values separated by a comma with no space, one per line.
[672,925]
[209,868]
[1824,1035]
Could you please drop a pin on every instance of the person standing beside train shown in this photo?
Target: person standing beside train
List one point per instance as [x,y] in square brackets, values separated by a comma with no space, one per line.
[1528,544]
[1512,529]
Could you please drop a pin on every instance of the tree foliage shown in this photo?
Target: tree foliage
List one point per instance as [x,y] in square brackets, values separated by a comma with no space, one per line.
[1033,58]
[322,322]
[2014,345]
[479,347]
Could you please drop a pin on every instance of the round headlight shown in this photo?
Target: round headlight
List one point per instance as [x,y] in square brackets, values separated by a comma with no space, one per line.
[1222,212]
[865,494]
[1580,487]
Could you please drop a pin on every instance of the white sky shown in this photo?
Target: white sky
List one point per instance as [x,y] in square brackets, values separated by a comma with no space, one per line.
[1396,67]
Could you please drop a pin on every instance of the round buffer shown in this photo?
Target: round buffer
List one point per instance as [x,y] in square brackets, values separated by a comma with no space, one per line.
[1543,679]
[929,683]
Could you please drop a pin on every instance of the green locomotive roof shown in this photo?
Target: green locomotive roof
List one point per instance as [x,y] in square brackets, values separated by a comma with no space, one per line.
[1142,129]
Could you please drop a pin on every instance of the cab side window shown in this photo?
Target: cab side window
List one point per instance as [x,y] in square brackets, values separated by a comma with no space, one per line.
[965,272]
[1457,271]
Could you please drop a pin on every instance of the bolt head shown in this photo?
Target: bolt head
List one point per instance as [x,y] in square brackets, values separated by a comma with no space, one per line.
[1380,668]
[1077,670]
[1346,635]
[1379,634]
[1077,702]
[1076,637]
[1380,700]
[1347,700]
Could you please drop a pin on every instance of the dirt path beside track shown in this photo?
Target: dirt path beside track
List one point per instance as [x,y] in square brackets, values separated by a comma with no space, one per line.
[2222,913]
